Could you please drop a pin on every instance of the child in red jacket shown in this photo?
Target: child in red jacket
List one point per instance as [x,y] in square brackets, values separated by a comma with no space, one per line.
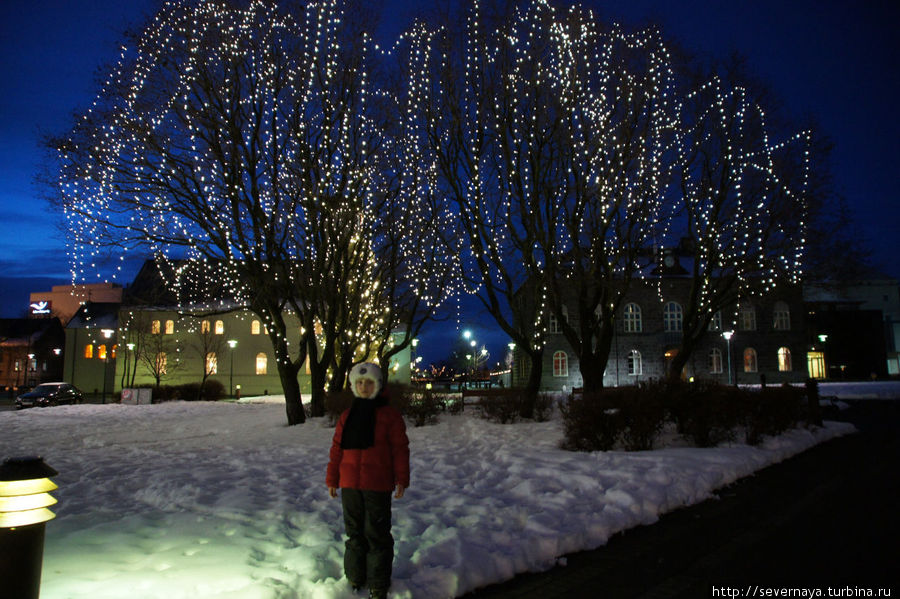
[369,458]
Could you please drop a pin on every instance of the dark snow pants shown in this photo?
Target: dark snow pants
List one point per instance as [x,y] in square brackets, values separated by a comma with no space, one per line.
[369,550]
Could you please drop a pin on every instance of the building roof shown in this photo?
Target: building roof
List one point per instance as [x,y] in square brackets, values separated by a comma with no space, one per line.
[96,315]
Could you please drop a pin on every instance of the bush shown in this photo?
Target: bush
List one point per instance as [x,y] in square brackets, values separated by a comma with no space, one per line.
[453,404]
[543,407]
[506,405]
[213,390]
[643,415]
[336,402]
[421,406]
[705,413]
[771,411]
[590,423]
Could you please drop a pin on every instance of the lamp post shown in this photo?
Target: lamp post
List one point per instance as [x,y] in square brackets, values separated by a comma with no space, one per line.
[30,371]
[107,334]
[728,335]
[232,343]
[24,499]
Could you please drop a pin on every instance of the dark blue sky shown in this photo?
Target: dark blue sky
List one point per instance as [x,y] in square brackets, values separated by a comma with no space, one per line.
[834,60]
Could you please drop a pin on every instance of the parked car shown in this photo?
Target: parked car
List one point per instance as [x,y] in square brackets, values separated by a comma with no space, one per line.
[49,394]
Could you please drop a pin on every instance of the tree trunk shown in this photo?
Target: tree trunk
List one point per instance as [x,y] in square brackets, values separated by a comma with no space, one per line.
[317,379]
[290,384]
[593,364]
[676,366]
[534,382]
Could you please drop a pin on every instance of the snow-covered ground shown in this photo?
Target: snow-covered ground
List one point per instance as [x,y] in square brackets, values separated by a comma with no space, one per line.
[216,500]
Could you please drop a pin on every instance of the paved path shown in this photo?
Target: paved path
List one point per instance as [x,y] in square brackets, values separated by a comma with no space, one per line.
[826,519]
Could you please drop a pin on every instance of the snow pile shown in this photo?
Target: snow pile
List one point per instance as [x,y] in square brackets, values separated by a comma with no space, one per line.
[223,500]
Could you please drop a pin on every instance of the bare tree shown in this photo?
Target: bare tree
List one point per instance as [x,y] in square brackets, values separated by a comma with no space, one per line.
[551,137]
[160,357]
[238,137]
[207,347]
[743,195]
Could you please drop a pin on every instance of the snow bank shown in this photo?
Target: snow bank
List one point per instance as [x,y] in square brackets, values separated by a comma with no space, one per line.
[222,500]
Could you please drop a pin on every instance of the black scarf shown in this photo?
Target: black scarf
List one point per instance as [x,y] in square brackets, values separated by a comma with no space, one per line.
[359,429]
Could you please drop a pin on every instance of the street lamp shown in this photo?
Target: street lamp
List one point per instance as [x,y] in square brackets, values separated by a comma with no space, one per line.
[232,343]
[728,335]
[24,499]
[107,334]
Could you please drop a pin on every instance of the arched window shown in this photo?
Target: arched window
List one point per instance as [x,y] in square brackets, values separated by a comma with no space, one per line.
[204,326]
[161,362]
[212,363]
[560,364]
[715,361]
[747,318]
[781,317]
[154,327]
[672,317]
[254,327]
[89,351]
[715,323]
[784,360]
[750,360]
[635,367]
[112,351]
[633,322]
[262,363]
[220,327]
[101,352]
[170,327]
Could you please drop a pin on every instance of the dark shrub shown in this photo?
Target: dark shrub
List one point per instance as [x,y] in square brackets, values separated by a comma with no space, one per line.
[705,413]
[543,407]
[643,416]
[336,402]
[453,403]
[419,405]
[504,406]
[771,411]
[590,423]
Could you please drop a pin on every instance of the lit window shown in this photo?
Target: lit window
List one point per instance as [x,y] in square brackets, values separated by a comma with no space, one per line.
[101,352]
[672,317]
[781,319]
[170,327]
[750,360]
[254,327]
[748,319]
[154,327]
[161,363]
[88,351]
[560,364]
[212,363]
[635,367]
[715,323]
[633,323]
[715,361]
[784,360]
[220,327]
[204,326]
[262,363]
[112,352]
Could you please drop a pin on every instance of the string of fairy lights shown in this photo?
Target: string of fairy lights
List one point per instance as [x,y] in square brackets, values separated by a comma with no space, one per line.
[230,136]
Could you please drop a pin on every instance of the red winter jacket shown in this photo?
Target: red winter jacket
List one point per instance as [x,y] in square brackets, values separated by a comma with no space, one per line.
[378,468]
